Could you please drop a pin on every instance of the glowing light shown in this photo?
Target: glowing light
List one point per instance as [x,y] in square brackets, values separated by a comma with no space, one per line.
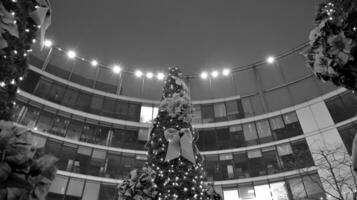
[226,72]
[138,73]
[160,76]
[204,75]
[214,74]
[2,84]
[94,63]
[12,82]
[149,75]
[48,43]
[71,54]
[116,69]
[270,60]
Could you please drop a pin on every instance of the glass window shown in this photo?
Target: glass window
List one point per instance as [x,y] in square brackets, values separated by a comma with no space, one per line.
[212,167]
[146,114]
[278,191]
[70,97]
[83,158]
[45,121]
[43,88]
[256,164]
[232,110]
[83,101]
[313,186]
[109,107]
[349,100]
[197,115]
[30,81]
[247,107]
[143,134]
[134,112]
[246,192]
[223,137]
[60,126]
[241,165]
[264,131]
[270,158]
[91,191]
[74,130]
[290,118]
[236,136]
[284,149]
[56,93]
[230,195]
[122,109]
[115,165]
[75,187]
[348,133]
[207,112]
[31,116]
[220,111]
[336,108]
[250,134]
[297,188]
[107,192]
[293,127]
[262,192]
[96,104]
[59,185]
[276,123]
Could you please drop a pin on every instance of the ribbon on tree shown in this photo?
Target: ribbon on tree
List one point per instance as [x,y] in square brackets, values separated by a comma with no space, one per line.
[179,145]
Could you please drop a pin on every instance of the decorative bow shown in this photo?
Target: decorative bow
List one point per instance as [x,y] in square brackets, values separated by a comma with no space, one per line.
[179,145]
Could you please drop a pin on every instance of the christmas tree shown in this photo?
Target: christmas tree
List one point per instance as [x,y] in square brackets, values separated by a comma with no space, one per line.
[174,168]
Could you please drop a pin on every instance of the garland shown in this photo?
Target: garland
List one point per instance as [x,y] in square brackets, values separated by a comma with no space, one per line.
[332,54]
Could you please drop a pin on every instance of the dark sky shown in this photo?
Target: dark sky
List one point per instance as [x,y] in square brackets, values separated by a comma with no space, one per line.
[194,34]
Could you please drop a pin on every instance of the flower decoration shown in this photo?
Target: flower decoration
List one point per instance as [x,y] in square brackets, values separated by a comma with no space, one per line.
[140,185]
[179,105]
[332,54]
[24,174]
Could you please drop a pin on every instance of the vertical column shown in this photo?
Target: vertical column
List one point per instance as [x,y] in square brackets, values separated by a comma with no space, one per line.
[327,149]
[260,91]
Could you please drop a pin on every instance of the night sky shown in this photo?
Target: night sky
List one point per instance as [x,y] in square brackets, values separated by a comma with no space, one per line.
[194,34]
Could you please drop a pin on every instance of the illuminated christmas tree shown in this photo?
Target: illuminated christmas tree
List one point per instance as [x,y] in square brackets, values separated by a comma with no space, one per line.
[174,169]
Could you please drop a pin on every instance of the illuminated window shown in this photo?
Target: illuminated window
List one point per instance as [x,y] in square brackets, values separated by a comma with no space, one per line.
[230,195]
[262,192]
[278,190]
[147,114]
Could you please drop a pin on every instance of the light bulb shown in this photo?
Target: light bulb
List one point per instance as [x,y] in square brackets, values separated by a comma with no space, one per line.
[270,60]
[160,76]
[71,54]
[149,75]
[214,74]
[116,69]
[204,75]
[94,63]
[138,73]
[226,72]
[48,43]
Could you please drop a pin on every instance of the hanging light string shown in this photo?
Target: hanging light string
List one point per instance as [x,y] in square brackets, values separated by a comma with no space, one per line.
[117,69]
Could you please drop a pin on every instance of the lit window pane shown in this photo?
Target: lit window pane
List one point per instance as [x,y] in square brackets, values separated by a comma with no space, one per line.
[220,110]
[91,191]
[284,149]
[146,114]
[290,118]
[250,133]
[262,192]
[246,192]
[231,195]
[75,187]
[155,112]
[278,191]
[58,186]
[276,123]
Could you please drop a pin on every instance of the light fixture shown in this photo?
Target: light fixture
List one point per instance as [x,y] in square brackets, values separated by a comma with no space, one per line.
[71,54]
[270,60]
[116,69]
[160,76]
[204,75]
[149,75]
[2,84]
[138,73]
[226,72]
[214,74]
[48,43]
[94,63]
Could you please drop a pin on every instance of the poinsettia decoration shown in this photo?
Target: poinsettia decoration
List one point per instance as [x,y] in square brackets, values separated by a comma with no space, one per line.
[332,54]
[24,173]
[140,186]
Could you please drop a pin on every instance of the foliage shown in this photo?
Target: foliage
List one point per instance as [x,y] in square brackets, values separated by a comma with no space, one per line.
[332,54]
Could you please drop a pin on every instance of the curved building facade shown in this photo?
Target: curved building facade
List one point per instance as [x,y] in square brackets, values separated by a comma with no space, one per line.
[258,134]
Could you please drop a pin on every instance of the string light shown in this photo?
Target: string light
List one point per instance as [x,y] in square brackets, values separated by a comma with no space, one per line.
[71,54]
[116,69]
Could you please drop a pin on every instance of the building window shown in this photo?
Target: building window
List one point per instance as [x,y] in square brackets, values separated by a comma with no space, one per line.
[262,192]
[278,191]
[230,195]
[146,114]
[342,107]
[91,190]
[264,131]
[75,188]
[220,113]
[348,133]
[250,134]
[207,113]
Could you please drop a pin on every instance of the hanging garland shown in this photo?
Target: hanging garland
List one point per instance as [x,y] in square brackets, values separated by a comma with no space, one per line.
[332,54]
[21,21]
